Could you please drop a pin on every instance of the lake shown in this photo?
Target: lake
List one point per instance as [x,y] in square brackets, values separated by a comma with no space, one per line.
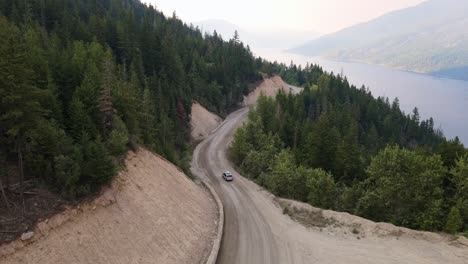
[445,100]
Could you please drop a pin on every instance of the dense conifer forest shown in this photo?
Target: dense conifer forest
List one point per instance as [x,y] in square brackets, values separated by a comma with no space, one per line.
[81,81]
[337,147]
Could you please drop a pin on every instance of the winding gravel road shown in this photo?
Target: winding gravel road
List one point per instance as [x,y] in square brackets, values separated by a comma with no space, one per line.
[248,238]
[257,232]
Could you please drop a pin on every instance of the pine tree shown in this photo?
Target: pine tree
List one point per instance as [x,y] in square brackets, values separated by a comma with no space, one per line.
[118,138]
[454,221]
[20,110]
[79,120]
[67,173]
[451,151]
[348,164]
[97,166]
[321,144]
[235,38]
[106,108]
[460,180]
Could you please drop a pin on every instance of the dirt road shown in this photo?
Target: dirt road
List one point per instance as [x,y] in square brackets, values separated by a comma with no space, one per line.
[256,230]
[247,238]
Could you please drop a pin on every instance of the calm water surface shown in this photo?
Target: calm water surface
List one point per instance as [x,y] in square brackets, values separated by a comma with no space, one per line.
[445,100]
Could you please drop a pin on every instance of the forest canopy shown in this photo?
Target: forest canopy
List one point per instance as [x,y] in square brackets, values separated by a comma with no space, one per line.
[337,147]
[81,81]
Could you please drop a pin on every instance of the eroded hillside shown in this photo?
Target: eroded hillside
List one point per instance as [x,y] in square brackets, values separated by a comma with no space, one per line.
[152,213]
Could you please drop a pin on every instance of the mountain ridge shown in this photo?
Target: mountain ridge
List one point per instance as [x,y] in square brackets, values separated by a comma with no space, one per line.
[273,38]
[426,38]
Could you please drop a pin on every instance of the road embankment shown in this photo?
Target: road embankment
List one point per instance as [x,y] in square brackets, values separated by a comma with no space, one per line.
[151,213]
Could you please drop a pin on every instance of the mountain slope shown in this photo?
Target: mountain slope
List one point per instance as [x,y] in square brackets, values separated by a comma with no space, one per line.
[267,39]
[95,77]
[151,213]
[426,38]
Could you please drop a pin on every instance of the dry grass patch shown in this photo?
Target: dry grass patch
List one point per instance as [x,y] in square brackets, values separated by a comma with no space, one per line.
[309,218]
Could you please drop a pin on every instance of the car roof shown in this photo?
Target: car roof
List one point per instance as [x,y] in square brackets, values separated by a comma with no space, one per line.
[227,172]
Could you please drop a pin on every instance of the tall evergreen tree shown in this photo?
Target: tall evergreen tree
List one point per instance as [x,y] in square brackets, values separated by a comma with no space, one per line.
[20,110]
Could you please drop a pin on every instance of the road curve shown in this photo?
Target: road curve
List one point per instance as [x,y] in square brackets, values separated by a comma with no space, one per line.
[256,231]
[248,237]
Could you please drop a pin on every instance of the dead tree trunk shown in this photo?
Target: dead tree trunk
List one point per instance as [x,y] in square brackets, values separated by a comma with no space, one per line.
[4,195]
[105,99]
[20,165]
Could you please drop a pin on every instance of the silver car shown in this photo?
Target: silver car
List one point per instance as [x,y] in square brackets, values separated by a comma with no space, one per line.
[227,176]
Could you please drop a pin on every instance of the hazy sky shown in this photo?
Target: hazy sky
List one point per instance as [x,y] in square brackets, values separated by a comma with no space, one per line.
[323,16]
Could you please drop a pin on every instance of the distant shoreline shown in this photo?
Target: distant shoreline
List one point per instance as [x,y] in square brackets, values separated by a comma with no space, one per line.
[435,74]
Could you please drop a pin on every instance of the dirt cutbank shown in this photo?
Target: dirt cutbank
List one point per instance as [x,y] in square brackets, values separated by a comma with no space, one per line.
[346,225]
[202,122]
[151,213]
[270,87]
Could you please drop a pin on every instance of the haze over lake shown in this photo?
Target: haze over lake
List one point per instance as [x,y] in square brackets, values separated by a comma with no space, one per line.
[443,99]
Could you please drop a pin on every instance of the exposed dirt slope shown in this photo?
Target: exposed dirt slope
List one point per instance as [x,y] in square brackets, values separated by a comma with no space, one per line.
[340,223]
[270,87]
[152,213]
[202,121]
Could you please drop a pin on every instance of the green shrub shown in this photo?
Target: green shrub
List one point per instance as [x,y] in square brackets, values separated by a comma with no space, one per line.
[97,167]
[118,138]
[454,221]
[321,187]
[67,173]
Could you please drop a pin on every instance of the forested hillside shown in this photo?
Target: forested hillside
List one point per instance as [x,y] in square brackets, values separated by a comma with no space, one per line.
[81,81]
[429,38]
[337,147]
